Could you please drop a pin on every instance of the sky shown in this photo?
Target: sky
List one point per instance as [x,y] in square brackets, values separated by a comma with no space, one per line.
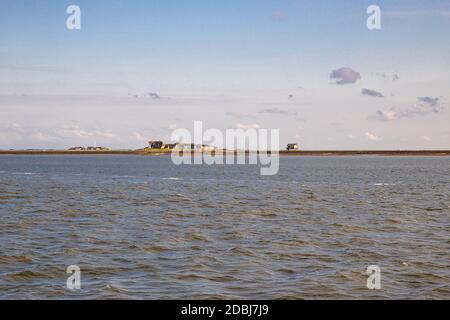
[138,69]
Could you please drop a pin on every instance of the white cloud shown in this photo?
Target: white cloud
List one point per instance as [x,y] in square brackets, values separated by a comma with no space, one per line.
[104,134]
[14,127]
[139,137]
[75,130]
[373,137]
[44,137]
[387,115]
[423,106]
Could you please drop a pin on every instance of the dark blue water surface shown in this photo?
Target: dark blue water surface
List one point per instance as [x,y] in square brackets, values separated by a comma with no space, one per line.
[140,227]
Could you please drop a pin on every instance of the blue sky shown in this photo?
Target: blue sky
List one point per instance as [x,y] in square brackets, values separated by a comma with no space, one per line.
[250,63]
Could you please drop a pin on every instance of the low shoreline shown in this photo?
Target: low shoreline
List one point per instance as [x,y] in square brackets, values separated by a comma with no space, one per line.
[283,153]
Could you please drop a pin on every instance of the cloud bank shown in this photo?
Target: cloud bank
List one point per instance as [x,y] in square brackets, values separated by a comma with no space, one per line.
[423,106]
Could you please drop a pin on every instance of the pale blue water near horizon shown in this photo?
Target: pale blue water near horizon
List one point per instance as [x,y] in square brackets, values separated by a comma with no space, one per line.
[142,228]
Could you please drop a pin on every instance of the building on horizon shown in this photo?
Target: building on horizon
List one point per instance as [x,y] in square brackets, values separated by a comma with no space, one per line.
[292,147]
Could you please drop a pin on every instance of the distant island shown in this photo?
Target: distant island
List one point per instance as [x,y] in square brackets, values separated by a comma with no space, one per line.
[160,148]
[158,152]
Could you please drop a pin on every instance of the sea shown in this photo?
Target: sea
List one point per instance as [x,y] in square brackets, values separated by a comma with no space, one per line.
[140,227]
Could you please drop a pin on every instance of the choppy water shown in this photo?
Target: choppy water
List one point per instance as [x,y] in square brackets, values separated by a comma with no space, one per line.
[140,227]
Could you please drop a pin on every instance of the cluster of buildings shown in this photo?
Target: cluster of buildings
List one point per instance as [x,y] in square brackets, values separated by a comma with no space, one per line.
[160,145]
[198,147]
[188,147]
[181,146]
[89,149]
